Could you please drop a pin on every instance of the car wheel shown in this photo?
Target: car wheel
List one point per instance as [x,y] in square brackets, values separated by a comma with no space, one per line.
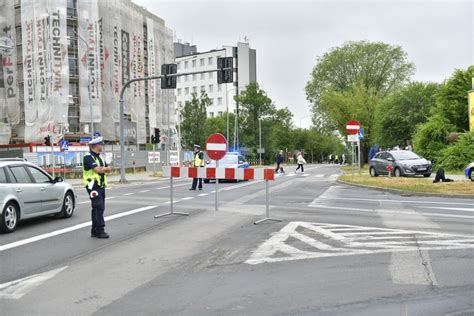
[372,172]
[427,175]
[471,174]
[9,218]
[68,206]
[397,172]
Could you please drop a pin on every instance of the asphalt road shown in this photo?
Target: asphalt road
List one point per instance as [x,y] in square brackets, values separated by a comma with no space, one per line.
[339,250]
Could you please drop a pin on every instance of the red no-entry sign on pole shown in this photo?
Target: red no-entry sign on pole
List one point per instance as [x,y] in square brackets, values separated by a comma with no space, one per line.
[216,146]
[352,127]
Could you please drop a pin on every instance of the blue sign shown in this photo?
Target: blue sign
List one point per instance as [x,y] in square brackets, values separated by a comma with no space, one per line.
[64,145]
[361,133]
[96,134]
[85,139]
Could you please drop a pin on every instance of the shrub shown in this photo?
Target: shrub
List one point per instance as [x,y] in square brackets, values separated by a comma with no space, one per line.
[458,155]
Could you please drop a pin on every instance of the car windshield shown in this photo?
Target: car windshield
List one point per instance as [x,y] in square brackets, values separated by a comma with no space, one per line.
[404,155]
[227,160]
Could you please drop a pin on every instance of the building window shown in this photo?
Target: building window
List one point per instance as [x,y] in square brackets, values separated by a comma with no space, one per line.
[194,63]
[179,65]
[180,104]
[194,77]
[195,89]
[202,76]
[186,64]
[186,78]
[211,87]
[219,101]
[210,75]
[219,87]
[211,101]
[186,90]
[179,91]
[209,60]
[211,114]
[219,113]
[203,88]
[201,62]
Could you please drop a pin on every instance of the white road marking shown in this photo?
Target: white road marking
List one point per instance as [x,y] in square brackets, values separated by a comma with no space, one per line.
[110,197]
[320,240]
[388,211]
[17,288]
[83,202]
[395,201]
[462,209]
[187,198]
[144,191]
[128,193]
[174,186]
[71,228]
[203,194]
[319,175]
[290,175]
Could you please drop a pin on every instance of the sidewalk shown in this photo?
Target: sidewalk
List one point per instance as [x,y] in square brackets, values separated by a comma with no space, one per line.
[115,178]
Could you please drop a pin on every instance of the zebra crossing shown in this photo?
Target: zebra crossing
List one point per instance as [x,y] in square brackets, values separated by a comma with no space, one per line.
[317,177]
[304,240]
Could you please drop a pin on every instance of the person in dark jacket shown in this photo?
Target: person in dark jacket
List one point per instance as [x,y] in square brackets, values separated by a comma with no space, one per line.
[279,161]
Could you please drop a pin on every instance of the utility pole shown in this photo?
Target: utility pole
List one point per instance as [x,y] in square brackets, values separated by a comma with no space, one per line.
[89,84]
[260,138]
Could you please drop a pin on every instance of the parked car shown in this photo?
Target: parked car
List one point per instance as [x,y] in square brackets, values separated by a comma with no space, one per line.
[404,163]
[469,171]
[230,160]
[27,191]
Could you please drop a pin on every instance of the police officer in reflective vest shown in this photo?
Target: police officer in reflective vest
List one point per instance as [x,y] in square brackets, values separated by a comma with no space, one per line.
[198,161]
[94,170]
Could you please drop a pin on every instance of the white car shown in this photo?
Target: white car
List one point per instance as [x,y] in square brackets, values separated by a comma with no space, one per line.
[27,191]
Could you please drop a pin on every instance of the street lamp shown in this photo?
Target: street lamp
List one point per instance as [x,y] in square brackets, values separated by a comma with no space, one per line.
[89,88]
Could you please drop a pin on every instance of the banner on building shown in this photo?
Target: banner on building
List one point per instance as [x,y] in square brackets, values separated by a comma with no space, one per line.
[151,49]
[89,61]
[45,67]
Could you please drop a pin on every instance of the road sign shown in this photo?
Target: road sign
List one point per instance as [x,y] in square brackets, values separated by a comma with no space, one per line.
[353,138]
[153,157]
[216,146]
[352,127]
[361,133]
[260,150]
[64,144]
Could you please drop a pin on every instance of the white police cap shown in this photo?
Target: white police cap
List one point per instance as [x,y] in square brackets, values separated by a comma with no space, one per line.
[97,140]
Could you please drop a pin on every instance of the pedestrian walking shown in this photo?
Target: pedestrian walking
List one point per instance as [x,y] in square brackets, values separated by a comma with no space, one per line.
[279,161]
[336,159]
[331,157]
[343,159]
[198,161]
[94,170]
[300,161]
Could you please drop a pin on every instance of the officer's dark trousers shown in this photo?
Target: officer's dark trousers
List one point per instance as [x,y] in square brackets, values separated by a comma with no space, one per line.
[98,208]
[195,182]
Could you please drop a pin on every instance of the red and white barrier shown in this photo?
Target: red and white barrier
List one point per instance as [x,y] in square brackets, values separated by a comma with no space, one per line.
[220,173]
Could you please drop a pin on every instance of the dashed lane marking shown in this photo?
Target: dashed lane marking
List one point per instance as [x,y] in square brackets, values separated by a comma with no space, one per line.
[144,191]
[128,193]
[303,240]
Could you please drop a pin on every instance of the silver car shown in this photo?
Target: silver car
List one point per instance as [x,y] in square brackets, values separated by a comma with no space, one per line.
[27,191]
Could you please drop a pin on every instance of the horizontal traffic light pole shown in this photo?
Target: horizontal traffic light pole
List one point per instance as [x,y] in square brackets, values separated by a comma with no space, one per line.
[122,111]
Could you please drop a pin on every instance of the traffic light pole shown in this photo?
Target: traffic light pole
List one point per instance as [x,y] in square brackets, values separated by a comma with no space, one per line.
[122,110]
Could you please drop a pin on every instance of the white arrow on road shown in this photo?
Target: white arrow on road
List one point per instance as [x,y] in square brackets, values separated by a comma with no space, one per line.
[17,288]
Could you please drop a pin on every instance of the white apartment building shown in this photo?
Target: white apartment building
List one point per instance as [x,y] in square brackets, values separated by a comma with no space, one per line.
[221,95]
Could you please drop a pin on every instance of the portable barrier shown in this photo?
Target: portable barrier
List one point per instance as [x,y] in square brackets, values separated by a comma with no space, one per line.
[265,174]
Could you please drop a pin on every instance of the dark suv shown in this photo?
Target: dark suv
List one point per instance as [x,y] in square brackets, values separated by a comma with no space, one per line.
[404,163]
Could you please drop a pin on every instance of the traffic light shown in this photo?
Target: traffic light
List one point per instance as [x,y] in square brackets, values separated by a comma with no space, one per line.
[225,70]
[155,139]
[168,82]
[47,140]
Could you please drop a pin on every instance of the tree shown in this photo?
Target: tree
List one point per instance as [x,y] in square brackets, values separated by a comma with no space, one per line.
[452,100]
[193,121]
[253,105]
[458,155]
[218,124]
[401,111]
[378,67]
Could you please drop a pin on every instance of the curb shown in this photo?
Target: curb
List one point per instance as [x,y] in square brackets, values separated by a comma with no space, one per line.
[406,193]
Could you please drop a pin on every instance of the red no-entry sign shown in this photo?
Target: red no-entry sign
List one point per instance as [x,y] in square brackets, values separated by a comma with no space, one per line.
[216,146]
[352,127]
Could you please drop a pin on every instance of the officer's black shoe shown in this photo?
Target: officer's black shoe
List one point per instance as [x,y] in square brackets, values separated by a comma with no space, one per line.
[102,235]
[93,233]
[200,189]
[192,189]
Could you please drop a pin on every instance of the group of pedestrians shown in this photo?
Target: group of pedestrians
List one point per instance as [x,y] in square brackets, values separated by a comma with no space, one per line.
[336,159]
[300,161]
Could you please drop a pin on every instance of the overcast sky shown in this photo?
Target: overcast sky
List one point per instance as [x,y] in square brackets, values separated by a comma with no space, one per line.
[289,35]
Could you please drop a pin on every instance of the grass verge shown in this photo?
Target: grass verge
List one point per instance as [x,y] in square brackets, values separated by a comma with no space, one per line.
[410,184]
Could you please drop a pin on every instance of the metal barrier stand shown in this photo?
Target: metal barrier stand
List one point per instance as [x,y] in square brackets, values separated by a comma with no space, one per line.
[267,210]
[171,212]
